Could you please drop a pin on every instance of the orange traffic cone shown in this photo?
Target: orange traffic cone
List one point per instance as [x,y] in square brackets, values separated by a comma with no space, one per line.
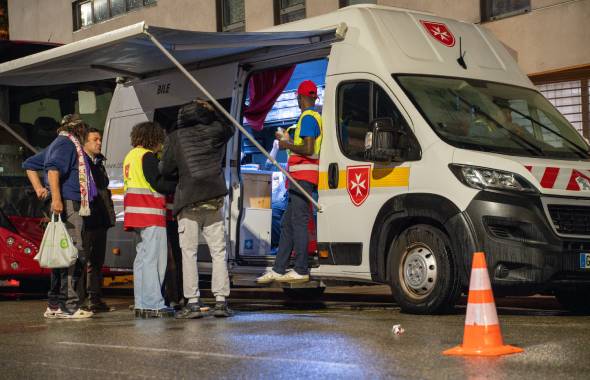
[482,336]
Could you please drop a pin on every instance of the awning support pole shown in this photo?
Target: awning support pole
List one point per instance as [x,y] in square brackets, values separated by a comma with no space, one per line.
[231,118]
[17,136]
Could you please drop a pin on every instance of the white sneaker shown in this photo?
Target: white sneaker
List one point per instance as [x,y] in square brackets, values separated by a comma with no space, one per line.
[293,277]
[268,277]
[52,313]
[78,314]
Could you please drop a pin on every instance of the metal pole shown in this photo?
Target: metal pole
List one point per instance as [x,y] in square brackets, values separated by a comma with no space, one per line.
[230,118]
[17,136]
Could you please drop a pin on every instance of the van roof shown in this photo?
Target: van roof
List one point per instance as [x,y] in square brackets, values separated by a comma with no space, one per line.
[391,40]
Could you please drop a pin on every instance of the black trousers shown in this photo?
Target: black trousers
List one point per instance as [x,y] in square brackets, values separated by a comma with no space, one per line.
[90,279]
[173,279]
[294,234]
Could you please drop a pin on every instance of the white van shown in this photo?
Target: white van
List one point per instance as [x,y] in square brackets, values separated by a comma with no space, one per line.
[435,146]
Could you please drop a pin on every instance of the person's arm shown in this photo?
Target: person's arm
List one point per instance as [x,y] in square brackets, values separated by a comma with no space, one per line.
[40,190]
[305,150]
[32,165]
[309,131]
[154,177]
[168,165]
[229,130]
[273,153]
[56,202]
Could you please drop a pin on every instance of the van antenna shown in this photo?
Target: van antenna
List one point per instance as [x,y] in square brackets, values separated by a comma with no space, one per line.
[461,60]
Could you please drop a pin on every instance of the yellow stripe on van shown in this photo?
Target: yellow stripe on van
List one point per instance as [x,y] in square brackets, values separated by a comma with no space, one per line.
[380,177]
[117,191]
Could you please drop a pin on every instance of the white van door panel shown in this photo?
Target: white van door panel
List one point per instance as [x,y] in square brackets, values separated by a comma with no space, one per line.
[351,204]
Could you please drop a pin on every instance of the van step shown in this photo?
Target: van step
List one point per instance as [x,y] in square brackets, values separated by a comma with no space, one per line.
[248,280]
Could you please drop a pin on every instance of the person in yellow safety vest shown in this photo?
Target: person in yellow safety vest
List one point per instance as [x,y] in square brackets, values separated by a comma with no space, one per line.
[145,214]
[303,166]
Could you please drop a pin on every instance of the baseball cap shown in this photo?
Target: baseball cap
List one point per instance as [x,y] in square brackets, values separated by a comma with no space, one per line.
[308,88]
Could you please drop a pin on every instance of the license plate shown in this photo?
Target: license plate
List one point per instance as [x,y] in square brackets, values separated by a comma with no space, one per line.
[584,260]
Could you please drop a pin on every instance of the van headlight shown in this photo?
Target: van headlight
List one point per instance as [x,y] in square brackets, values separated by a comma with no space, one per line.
[491,179]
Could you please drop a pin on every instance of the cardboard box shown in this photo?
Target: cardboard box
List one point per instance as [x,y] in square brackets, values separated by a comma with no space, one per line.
[257,189]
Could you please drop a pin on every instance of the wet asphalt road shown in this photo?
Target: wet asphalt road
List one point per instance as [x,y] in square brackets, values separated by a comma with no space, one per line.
[343,336]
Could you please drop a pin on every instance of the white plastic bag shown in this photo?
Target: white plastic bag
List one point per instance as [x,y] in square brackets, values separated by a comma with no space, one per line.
[57,249]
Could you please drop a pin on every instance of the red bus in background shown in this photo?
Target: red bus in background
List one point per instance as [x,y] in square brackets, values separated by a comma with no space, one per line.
[34,114]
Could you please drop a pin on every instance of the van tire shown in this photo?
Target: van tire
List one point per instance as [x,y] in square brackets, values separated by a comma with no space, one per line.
[421,271]
[302,294]
[576,300]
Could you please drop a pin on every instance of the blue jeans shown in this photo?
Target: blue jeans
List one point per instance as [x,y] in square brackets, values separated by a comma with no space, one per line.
[149,267]
[294,234]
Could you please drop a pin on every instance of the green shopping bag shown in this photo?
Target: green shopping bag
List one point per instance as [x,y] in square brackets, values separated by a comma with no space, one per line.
[57,249]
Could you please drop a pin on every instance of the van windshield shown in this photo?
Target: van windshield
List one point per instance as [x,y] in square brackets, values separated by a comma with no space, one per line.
[493,117]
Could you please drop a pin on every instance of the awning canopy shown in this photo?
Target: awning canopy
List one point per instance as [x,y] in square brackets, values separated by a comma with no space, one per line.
[130,52]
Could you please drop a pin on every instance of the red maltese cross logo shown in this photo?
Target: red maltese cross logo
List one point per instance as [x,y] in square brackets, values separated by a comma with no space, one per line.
[440,32]
[358,183]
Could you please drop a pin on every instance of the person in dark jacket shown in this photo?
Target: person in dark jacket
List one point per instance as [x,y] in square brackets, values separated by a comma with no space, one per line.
[96,225]
[195,150]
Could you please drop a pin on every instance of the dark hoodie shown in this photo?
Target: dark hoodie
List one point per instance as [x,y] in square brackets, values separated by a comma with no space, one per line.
[194,150]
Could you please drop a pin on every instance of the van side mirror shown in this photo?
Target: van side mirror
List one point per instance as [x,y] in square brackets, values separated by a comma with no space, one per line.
[386,142]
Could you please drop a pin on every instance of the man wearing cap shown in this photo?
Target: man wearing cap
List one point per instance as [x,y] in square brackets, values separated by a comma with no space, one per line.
[303,165]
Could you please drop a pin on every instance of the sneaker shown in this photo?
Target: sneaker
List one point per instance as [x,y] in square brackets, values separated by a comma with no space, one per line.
[268,277]
[165,312]
[222,310]
[99,307]
[192,310]
[52,313]
[293,277]
[78,314]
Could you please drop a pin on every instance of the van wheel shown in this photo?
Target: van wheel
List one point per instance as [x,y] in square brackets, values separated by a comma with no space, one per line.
[576,300]
[301,294]
[422,274]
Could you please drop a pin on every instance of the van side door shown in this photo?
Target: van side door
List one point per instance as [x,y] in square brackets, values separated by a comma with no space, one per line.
[353,187]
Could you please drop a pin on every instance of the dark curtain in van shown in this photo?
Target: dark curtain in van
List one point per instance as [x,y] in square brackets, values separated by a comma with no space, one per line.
[263,89]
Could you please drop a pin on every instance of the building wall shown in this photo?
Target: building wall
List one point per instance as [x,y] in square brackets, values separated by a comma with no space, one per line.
[316,8]
[40,20]
[465,10]
[553,36]
[180,14]
[258,15]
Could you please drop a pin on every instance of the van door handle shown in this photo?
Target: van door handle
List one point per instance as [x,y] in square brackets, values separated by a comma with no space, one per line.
[333,175]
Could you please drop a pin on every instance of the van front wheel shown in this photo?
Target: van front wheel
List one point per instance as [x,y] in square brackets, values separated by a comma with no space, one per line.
[422,274]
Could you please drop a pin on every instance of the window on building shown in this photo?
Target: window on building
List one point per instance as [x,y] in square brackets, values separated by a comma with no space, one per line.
[118,7]
[88,12]
[496,9]
[346,3]
[289,10]
[3,20]
[571,98]
[231,15]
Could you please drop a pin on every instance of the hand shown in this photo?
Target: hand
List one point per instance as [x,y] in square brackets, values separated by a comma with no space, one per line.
[42,193]
[57,206]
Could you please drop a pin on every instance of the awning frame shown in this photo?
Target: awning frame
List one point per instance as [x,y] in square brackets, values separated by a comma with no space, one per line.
[222,110]
[269,48]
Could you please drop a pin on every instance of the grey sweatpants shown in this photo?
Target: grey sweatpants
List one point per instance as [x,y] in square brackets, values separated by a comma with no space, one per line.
[210,223]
